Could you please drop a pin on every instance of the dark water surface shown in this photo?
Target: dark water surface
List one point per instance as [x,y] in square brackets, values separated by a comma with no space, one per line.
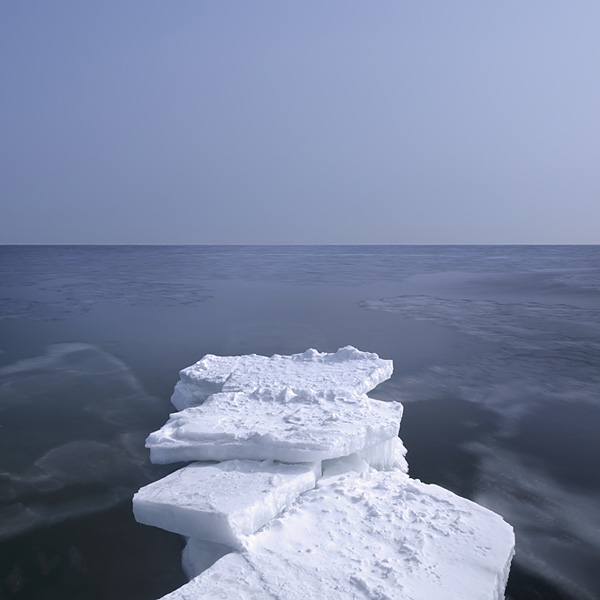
[497,359]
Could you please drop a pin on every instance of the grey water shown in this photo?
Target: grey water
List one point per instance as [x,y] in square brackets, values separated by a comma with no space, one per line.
[497,361]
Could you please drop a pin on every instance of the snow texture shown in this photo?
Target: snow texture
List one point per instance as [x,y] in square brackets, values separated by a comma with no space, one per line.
[275,425]
[378,536]
[230,578]
[344,522]
[223,502]
[347,370]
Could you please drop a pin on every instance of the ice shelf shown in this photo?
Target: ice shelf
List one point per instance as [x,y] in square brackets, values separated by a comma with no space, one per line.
[311,498]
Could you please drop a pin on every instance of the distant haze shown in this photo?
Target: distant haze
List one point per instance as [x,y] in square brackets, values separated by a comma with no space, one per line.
[300,122]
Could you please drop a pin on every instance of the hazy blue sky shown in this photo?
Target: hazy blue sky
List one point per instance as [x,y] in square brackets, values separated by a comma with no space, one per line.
[300,122]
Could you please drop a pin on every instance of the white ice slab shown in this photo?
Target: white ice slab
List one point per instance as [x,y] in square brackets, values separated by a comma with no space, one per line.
[347,370]
[345,464]
[188,394]
[283,426]
[223,502]
[230,578]
[199,555]
[383,536]
[208,376]
[386,456]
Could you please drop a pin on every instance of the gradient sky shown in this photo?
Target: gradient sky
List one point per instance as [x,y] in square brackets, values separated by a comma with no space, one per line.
[312,121]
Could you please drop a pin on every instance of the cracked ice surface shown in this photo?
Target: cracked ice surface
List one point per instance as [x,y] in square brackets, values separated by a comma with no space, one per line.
[347,370]
[223,502]
[376,536]
[282,425]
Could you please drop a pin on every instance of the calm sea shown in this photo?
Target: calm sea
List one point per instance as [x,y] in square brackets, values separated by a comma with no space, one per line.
[497,360]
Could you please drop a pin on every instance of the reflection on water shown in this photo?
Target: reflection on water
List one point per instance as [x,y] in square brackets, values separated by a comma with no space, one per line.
[497,358]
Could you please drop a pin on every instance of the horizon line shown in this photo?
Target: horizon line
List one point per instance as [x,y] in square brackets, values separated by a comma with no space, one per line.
[300,244]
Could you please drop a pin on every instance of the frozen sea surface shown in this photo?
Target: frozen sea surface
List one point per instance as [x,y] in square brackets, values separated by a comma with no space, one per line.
[496,360]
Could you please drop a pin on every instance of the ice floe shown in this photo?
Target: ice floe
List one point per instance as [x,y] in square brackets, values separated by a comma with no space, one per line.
[311,498]
[379,536]
[347,370]
[275,425]
[223,502]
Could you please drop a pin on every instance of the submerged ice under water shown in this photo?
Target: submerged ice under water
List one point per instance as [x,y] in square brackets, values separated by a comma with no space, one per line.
[497,360]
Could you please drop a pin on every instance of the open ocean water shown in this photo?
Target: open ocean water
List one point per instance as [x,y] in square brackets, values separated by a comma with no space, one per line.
[497,361]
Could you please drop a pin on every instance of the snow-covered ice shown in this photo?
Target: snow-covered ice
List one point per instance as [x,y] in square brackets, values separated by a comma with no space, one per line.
[198,555]
[230,578]
[275,425]
[207,377]
[347,370]
[377,536]
[386,456]
[223,502]
[344,522]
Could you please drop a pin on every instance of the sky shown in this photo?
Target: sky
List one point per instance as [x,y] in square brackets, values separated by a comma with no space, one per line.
[315,121]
